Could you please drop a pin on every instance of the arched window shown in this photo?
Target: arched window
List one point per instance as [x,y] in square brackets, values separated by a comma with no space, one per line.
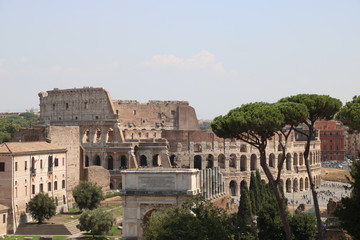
[288,161]
[253,162]
[221,161]
[110,163]
[243,163]
[97,160]
[272,160]
[155,160]
[232,162]
[123,162]
[197,162]
[87,163]
[232,187]
[172,160]
[209,161]
[143,161]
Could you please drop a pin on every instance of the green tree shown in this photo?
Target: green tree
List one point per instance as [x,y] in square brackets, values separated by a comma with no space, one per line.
[319,107]
[254,194]
[254,124]
[349,210]
[244,229]
[349,114]
[269,223]
[42,207]
[303,226]
[96,222]
[87,195]
[195,219]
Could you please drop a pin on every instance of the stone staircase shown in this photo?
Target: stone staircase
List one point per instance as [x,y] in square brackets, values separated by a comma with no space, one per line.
[71,227]
[42,229]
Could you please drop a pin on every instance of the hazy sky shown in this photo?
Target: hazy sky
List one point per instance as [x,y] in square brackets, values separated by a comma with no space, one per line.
[215,54]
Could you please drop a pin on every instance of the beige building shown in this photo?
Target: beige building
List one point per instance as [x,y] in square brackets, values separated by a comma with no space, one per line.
[3,219]
[27,168]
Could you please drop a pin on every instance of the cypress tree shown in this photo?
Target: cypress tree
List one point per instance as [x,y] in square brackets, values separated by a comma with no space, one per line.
[244,211]
[253,194]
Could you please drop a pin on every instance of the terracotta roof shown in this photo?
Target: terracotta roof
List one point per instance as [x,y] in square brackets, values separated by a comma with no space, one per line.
[23,147]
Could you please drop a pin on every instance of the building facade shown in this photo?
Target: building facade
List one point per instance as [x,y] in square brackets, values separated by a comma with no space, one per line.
[27,168]
[119,135]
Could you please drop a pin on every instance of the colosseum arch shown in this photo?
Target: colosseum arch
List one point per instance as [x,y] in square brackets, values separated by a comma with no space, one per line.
[123,162]
[110,137]
[210,161]
[243,183]
[97,136]
[173,160]
[86,135]
[221,160]
[272,160]
[232,162]
[288,161]
[232,187]
[279,159]
[295,160]
[197,147]
[110,162]
[155,160]
[253,162]
[243,163]
[143,161]
[97,160]
[197,162]
[288,185]
[306,183]
[295,185]
[301,159]
[301,184]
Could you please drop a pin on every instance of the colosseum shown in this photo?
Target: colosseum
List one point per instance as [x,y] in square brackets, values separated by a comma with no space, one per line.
[123,134]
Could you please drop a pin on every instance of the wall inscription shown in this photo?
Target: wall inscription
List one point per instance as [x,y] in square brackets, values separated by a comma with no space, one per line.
[157,183]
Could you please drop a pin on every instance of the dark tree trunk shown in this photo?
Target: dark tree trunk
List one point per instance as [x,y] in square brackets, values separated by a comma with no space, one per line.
[279,199]
[312,184]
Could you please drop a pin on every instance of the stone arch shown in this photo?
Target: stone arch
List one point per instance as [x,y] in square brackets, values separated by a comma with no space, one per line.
[97,160]
[221,160]
[143,161]
[288,185]
[295,159]
[279,159]
[243,163]
[311,158]
[86,136]
[272,160]
[306,183]
[243,183]
[243,148]
[97,136]
[232,188]
[155,160]
[301,184]
[110,137]
[111,186]
[295,185]
[301,162]
[87,161]
[110,162]
[147,216]
[123,162]
[173,160]
[253,162]
[197,162]
[232,162]
[210,161]
[288,161]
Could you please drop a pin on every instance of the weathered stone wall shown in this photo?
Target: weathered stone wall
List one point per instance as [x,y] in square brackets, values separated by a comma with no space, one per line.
[98,175]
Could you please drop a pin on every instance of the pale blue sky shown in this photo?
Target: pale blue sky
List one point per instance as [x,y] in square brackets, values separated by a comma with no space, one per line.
[215,54]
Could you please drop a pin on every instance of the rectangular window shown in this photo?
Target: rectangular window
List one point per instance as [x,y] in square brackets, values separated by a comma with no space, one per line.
[33,189]
[4,218]
[16,165]
[25,165]
[41,163]
[63,183]
[55,185]
[2,167]
[56,162]
[41,187]
[49,186]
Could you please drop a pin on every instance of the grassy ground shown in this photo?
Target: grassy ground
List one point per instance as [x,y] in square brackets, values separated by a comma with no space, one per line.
[32,237]
[334,174]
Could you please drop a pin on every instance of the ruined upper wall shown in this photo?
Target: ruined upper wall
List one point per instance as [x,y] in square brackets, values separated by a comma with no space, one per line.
[76,104]
[169,115]
[70,106]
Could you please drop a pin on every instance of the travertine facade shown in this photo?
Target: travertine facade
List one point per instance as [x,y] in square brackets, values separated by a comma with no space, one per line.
[127,134]
[27,169]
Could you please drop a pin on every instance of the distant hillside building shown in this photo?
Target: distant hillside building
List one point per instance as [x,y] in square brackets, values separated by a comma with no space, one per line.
[332,136]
